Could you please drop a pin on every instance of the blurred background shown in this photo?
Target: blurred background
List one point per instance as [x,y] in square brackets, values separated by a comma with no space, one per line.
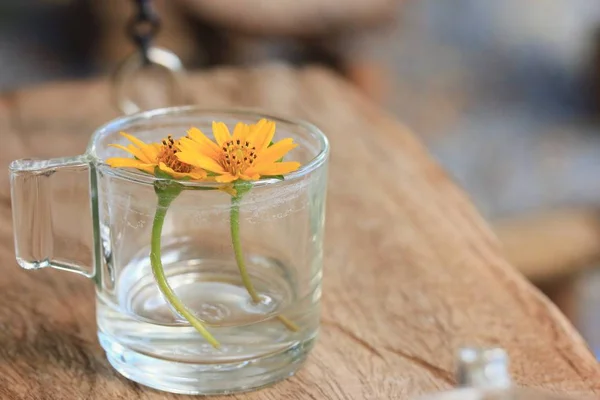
[506,95]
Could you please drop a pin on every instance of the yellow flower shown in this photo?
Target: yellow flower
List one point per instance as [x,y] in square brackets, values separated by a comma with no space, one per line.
[150,156]
[247,154]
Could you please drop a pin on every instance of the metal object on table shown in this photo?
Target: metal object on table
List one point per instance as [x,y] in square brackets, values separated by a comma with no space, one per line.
[142,29]
[483,368]
[134,64]
[482,374]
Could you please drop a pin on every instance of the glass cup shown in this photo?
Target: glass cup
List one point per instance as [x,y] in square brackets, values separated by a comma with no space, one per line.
[58,203]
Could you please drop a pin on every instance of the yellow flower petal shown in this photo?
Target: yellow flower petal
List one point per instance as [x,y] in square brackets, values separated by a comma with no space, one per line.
[196,174]
[221,133]
[241,131]
[192,146]
[199,160]
[134,151]
[157,147]
[250,177]
[276,151]
[205,145]
[225,178]
[261,134]
[189,145]
[165,168]
[149,150]
[229,189]
[117,162]
[278,168]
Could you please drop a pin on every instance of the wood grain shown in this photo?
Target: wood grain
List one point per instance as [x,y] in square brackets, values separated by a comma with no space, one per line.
[308,18]
[552,245]
[412,271]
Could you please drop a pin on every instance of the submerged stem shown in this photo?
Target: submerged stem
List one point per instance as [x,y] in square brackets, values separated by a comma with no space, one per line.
[164,201]
[234,219]
[237,248]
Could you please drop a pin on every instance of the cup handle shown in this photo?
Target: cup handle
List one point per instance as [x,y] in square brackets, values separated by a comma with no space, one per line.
[42,194]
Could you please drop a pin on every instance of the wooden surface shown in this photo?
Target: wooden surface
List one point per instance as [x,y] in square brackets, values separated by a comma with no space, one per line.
[308,18]
[553,245]
[412,271]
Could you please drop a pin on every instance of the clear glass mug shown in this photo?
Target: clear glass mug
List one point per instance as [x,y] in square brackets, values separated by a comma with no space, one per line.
[144,338]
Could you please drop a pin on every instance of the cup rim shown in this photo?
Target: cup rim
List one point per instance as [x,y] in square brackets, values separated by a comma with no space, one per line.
[140,177]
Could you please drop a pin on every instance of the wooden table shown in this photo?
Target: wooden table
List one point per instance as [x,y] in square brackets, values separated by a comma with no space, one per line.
[412,271]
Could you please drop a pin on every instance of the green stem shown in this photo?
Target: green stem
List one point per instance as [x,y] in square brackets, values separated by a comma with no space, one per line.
[237,247]
[164,201]
[234,218]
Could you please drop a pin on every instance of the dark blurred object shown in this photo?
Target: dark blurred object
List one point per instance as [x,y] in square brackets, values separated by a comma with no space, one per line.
[595,71]
[143,27]
[42,40]
[176,32]
[209,33]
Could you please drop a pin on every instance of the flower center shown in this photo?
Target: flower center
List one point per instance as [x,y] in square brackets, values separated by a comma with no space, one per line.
[238,155]
[167,155]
